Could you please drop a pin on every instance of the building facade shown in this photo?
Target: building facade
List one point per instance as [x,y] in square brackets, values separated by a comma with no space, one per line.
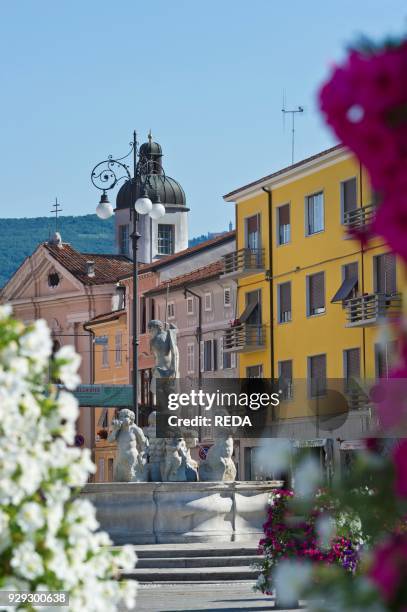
[310,297]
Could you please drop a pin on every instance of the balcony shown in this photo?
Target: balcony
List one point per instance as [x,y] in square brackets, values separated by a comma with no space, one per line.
[359,217]
[244,338]
[243,262]
[365,310]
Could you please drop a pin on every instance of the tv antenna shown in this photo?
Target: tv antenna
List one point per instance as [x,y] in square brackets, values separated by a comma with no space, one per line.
[293,112]
[56,210]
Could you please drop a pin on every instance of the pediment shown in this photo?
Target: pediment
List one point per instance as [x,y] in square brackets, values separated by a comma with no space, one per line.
[40,276]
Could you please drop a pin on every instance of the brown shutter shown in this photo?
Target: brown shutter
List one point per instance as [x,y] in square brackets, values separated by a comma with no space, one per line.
[352,363]
[317,375]
[284,215]
[253,224]
[285,302]
[386,273]
[350,271]
[349,194]
[316,292]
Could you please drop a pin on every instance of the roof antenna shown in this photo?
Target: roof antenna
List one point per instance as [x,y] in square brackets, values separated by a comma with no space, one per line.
[293,112]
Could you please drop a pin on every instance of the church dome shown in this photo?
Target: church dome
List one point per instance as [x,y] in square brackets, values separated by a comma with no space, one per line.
[170,192]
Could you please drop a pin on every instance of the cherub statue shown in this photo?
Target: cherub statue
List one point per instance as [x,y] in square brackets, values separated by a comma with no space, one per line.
[131,448]
[156,449]
[163,345]
[174,469]
[219,464]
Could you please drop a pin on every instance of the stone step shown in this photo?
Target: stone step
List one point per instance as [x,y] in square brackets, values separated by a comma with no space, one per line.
[192,574]
[195,561]
[151,551]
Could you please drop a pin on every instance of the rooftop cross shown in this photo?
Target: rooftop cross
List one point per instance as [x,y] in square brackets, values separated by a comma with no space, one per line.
[56,209]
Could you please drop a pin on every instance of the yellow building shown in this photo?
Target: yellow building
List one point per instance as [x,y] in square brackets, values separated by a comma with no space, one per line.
[111,367]
[310,297]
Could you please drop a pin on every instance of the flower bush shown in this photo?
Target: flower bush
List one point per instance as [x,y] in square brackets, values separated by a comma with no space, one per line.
[48,537]
[316,537]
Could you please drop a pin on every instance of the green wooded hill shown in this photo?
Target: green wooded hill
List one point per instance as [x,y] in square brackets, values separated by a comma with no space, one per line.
[20,237]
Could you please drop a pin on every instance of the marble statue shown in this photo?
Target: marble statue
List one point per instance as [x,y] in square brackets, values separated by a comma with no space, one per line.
[163,345]
[219,464]
[155,451]
[131,448]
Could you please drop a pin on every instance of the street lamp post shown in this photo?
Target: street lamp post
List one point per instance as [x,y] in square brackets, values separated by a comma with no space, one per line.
[147,173]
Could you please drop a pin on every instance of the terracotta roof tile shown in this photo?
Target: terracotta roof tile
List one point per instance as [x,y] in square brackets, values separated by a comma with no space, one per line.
[200,274]
[187,252]
[107,316]
[108,268]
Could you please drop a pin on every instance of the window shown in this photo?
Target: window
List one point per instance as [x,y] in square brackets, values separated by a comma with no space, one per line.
[349,286]
[315,294]
[209,355]
[317,375]
[255,371]
[190,358]
[101,470]
[145,385]
[348,197]
[285,375]
[314,213]
[351,366]
[227,359]
[208,302]
[110,469]
[143,315]
[384,358]
[227,297]
[105,354]
[385,273]
[283,224]
[284,302]
[170,310]
[253,233]
[124,239]
[190,305]
[252,312]
[165,239]
[118,348]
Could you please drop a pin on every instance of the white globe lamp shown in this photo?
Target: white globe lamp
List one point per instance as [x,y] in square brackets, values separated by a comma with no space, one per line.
[104,209]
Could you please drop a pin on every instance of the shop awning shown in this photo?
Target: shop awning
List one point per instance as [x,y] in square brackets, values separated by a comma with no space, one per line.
[345,290]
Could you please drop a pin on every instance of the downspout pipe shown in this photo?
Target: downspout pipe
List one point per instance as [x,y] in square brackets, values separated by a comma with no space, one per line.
[269,276]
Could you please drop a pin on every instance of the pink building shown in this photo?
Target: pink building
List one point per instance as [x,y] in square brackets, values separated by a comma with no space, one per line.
[68,288]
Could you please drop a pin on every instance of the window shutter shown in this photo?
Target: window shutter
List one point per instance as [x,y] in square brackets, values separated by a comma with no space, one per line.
[233,362]
[226,296]
[350,271]
[221,352]
[285,302]
[390,273]
[201,348]
[214,354]
[316,292]
[253,224]
[284,215]
[349,194]
[318,374]
[352,363]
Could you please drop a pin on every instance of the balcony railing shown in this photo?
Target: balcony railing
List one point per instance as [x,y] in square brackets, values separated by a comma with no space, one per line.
[365,310]
[243,262]
[244,338]
[359,217]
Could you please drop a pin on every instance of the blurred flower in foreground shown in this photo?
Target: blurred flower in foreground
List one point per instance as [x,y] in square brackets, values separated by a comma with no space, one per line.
[307,477]
[48,536]
[290,579]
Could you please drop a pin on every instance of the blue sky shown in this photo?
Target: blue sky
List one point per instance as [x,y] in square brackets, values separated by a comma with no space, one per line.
[206,76]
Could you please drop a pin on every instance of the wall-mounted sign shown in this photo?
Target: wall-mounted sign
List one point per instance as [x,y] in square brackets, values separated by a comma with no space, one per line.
[117,396]
[101,340]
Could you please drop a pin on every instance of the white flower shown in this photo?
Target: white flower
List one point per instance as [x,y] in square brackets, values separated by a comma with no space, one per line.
[307,477]
[68,370]
[68,406]
[290,578]
[127,558]
[26,561]
[36,342]
[128,593]
[5,311]
[31,517]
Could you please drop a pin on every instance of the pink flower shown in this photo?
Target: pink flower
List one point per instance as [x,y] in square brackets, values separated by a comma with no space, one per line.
[400,466]
[389,569]
[391,223]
